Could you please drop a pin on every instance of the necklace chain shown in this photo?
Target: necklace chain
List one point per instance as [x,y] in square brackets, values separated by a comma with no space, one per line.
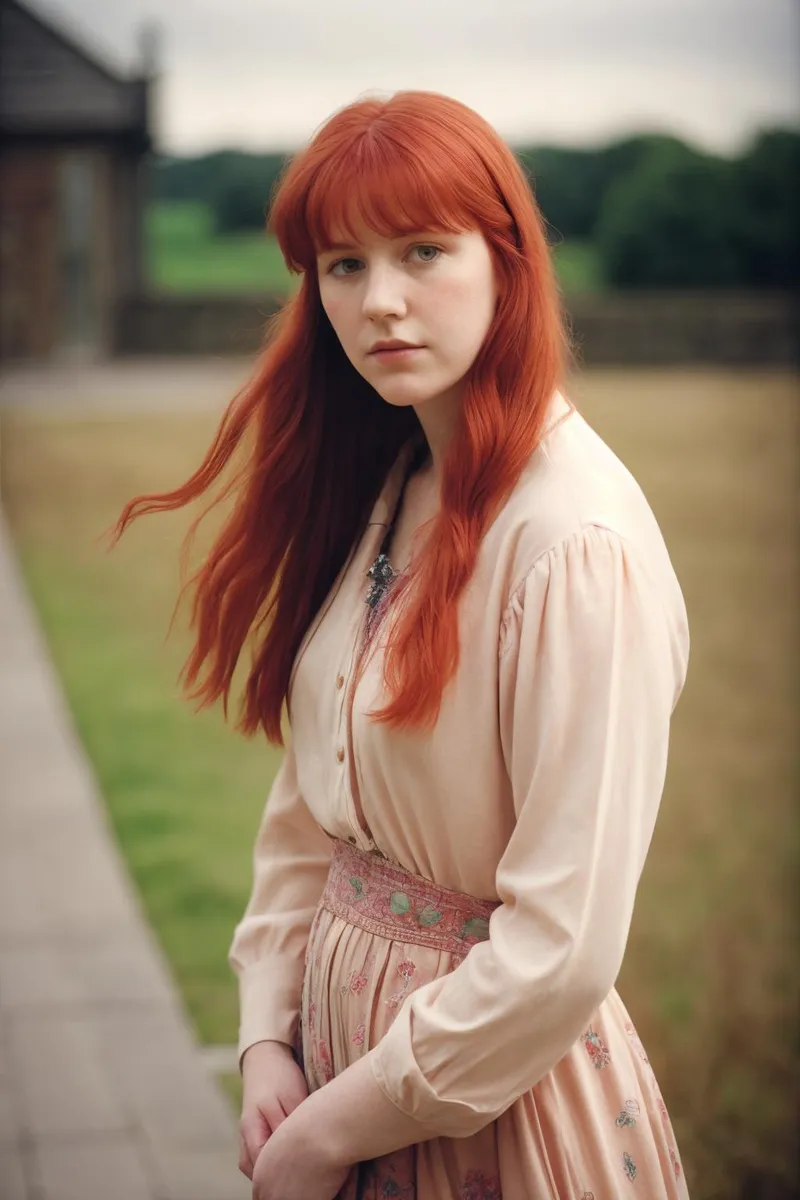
[382,574]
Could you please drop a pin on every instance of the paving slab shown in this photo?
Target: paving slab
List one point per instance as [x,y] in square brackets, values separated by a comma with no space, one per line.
[89,1169]
[163,1079]
[12,1173]
[124,386]
[61,1084]
[109,969]
[193,1175]
[103,1088]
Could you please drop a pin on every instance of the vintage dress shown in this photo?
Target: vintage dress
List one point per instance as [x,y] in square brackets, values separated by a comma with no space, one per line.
[535,795]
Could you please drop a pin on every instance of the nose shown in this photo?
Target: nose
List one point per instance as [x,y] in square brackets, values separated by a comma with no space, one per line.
[384,293]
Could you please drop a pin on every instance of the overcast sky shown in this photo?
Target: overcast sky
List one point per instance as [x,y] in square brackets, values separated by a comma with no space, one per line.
[262,74]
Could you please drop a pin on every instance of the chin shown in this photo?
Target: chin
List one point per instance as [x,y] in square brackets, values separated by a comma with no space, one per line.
[411,393]
[402,399]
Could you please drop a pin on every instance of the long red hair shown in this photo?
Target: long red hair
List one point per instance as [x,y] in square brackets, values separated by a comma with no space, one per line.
[319,440]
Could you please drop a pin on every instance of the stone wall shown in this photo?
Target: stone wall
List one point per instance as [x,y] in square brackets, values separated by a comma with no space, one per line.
[723,328]
[617,328]
[194,325]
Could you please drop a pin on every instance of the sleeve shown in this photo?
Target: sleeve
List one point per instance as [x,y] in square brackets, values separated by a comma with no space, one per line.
[290,865]
[592,663]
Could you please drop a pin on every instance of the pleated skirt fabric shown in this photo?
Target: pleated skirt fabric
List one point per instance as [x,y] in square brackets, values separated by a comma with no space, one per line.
[595,1128]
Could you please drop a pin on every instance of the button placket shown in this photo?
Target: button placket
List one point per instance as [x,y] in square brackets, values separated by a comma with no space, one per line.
[355,808]
[341,753]
[345,756]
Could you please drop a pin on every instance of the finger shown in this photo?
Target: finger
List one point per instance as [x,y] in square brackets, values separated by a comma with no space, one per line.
[277,1116]
[246,1165]
[291,1101]
[255,1129]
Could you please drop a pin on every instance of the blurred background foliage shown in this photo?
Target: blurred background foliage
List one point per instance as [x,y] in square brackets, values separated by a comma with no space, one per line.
[647,211]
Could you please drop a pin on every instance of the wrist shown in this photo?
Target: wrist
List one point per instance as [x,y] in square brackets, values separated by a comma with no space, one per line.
[332,1118]
[266,1050]
[316,1131]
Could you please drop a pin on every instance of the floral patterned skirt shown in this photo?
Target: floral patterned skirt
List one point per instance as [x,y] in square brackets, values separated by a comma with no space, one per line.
[595,1128]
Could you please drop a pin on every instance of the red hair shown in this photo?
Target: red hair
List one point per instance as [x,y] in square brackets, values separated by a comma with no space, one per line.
[321,440]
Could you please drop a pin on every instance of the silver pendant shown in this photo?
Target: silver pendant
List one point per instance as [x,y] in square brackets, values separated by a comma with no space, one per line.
[381,573]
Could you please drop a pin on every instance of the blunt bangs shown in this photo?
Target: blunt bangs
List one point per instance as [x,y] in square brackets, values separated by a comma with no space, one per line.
[390,188]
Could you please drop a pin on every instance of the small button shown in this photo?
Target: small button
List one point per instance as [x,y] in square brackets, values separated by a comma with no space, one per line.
[340,682]
[340,754]
[351,840]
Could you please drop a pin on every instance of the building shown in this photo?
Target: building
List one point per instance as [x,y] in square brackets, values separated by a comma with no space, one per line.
[74,138]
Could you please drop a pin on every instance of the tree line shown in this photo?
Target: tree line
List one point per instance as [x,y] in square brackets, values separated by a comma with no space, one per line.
[660,213]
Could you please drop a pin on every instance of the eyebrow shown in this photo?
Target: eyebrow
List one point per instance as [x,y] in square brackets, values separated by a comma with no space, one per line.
[338,247]
[335,247]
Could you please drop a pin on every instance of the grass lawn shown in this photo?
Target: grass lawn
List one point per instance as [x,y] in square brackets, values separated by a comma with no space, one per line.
[183,254]
[710,976]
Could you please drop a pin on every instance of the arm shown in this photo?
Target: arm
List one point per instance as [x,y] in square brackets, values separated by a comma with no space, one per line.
[591,668]
[290,865]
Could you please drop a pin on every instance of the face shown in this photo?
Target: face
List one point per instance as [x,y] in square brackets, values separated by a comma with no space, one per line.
[433,291]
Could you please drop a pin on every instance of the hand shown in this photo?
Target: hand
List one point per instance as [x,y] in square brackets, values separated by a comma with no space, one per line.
[296,1165]
[274,1086]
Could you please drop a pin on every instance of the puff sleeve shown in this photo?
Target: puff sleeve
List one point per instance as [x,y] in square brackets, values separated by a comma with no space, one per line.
[291,858]
[593,656]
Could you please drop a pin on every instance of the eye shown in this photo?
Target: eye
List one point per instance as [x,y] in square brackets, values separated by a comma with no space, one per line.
[346,264]
[427,253]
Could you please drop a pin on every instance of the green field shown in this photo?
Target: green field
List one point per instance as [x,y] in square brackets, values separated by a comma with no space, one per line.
[711,973]
[183,254]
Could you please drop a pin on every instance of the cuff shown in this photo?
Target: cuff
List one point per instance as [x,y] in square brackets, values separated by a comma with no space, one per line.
[269,1009]
[400,1077]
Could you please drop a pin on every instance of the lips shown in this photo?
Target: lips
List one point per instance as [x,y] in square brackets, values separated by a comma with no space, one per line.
[397,356]
[389,347]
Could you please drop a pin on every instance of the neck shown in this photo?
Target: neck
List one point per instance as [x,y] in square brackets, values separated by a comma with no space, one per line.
[439,419]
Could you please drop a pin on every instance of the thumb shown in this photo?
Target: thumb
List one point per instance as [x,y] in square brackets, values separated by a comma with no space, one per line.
[255,1131]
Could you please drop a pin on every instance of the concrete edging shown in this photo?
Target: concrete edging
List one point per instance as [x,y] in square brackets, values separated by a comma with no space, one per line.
[103,1088]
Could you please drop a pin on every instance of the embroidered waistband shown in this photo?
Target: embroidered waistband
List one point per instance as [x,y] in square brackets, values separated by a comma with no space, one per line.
[383,898]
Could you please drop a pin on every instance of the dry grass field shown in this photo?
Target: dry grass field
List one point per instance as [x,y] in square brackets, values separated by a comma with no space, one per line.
[710,975]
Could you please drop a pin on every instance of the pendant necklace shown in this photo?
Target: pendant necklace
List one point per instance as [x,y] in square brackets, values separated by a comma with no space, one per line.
[382,573]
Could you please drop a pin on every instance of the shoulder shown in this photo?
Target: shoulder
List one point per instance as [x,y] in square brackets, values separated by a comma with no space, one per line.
[573,486]
[577,524]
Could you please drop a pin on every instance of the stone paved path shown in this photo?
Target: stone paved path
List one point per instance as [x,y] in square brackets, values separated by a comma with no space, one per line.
[124,385]
[103,1091]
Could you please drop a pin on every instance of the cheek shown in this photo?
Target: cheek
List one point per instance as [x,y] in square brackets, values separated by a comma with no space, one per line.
[343,321]
[333,311]
[463,310]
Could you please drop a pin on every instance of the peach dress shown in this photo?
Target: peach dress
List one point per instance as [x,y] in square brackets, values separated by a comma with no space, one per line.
[455,905]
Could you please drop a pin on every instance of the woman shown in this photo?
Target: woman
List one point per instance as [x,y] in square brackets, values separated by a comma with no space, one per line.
[466,603]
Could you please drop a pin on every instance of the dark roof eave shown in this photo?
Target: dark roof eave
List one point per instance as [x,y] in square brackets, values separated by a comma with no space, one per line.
[136,140]
[55,26]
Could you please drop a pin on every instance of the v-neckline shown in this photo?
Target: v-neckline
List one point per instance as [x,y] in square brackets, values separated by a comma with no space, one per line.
[381,571]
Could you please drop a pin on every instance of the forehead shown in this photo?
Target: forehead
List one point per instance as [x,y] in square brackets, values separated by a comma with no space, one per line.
[360,236]
[370,210]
